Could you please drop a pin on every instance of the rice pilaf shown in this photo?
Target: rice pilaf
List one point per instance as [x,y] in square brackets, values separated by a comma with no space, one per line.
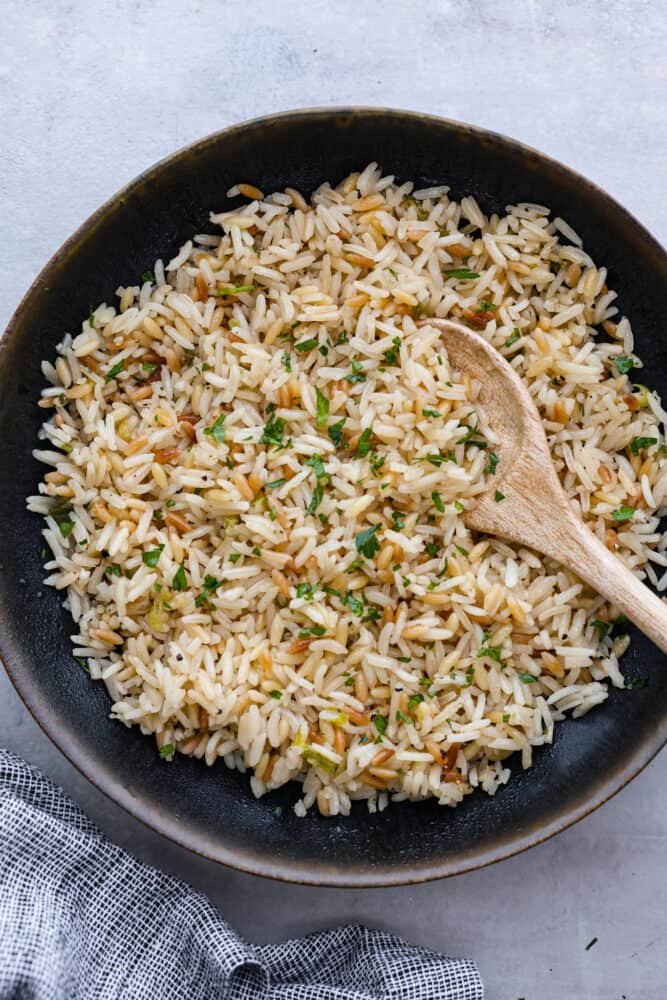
[260,471]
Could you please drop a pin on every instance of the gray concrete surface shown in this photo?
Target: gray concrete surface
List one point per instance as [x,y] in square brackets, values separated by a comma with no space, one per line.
[92,93]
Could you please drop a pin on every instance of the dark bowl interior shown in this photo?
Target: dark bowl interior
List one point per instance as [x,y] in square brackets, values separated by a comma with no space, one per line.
[212,810]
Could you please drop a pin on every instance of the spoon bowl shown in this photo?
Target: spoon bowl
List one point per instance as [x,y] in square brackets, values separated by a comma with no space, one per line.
[524,501]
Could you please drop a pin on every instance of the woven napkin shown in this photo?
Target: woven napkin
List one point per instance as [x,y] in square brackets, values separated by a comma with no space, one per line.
[80,919]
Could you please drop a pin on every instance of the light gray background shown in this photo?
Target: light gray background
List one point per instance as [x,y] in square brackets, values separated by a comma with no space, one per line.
[93,93]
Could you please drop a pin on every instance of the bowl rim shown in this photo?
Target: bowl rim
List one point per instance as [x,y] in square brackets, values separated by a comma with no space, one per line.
[250,862]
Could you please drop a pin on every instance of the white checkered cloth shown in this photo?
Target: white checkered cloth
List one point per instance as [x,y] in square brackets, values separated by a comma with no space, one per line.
[82,920]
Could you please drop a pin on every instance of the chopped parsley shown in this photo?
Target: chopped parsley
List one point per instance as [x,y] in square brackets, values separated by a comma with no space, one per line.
[437,501]
[166,751]
[398,520]
[461,272]
[516,335]
[273,432]
[432,413]
[311,631]
[391,356]
[471,437]
[380,723]
[236,289]
[148,276]
[275,484]
[234,557]
[322,408]
[624,364]
[151,557]
[526,678]
[287,362]
[492,464]
[414,700]
[498,496]
[210,585]
[336,431]
[639,443]
[357,372]
[432,548]
[493,652]
[366,542]
[402,717]
[601,628]
[354,604]
[116,370]
[306,345]
[66,526]
[180,581]
[506,717]
[623,513]
[459,548]
[306,590]
[217,430]
[114,570]
[364,445]
[275,694]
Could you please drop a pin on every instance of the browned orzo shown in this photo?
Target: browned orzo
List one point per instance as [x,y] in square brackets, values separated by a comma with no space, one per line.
[261,469]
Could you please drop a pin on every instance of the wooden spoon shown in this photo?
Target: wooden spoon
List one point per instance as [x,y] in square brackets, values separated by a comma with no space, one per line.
[535,511]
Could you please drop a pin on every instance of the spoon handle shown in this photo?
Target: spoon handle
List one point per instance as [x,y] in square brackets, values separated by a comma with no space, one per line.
[575,545]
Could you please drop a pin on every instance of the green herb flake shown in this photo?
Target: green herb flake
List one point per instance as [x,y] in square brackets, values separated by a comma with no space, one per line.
[311,632]
[623,513]
[398,520]
[82,663]
[273,432]
[366,542]
[275,484]
[236,289]
[364,445]
[354,604]
[180,581]
[506,717]
[432,413]
[639,443]
[492,464]
[516,335]
[66,526]
[461,272]
[526,678]
[624,364]
[498,496]
[493,652]
[414,700]
[402,717]
[115,370]
[275,694]
[391,356]
[601,628]
[437,502]
[152,557]
[459,548]
[336,431]
[380,723]
[166,751]
[357,372]
[217,429]
[234,557]
[306,345]
[322,408]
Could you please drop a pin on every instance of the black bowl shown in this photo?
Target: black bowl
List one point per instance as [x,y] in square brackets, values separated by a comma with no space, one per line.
[212,810]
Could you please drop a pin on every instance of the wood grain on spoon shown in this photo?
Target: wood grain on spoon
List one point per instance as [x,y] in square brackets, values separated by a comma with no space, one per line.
[536,511]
